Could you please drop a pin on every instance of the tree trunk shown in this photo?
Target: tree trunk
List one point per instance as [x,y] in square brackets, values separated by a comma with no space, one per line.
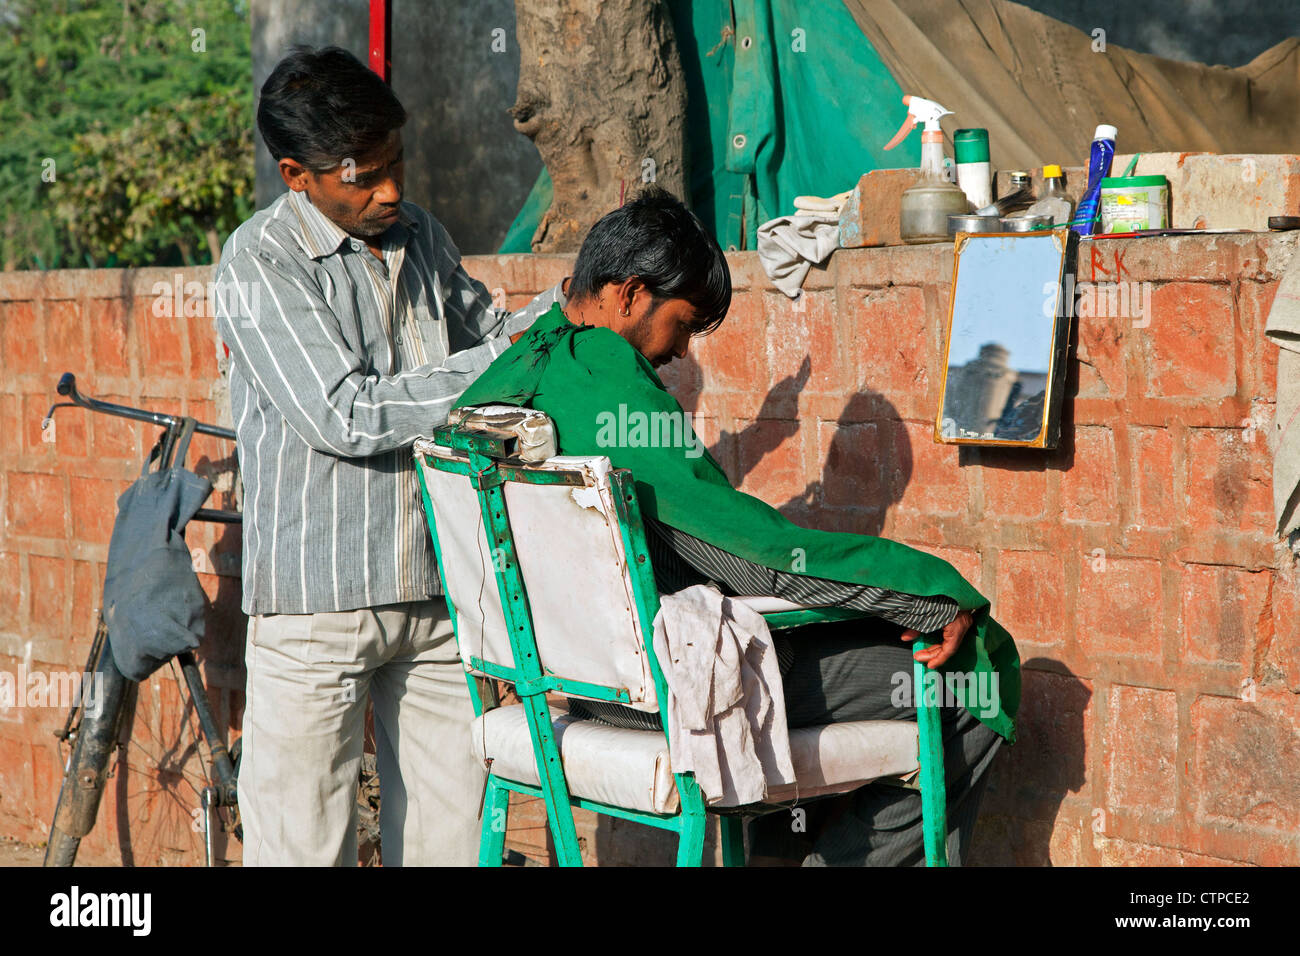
[601,94]
[214,243]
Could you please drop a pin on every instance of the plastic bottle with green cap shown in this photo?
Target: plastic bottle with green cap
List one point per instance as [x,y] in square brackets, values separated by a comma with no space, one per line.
[974,174]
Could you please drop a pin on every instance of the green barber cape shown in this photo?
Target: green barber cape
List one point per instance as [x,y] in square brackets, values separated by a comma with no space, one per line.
[580,376]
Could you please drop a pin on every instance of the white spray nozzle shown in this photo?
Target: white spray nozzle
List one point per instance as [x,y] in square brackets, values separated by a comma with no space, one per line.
[919,111]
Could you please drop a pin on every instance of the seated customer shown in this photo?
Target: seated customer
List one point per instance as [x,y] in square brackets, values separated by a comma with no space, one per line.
[648,277]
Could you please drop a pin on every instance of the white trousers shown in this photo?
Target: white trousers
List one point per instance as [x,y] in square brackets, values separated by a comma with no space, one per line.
[309,677]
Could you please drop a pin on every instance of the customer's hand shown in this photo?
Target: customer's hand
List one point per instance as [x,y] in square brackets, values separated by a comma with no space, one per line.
[934,656]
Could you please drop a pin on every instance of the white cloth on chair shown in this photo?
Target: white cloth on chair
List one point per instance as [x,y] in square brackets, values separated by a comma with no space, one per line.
[725,711]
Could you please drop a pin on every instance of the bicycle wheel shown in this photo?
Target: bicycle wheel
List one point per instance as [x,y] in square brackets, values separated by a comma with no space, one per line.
[87,771]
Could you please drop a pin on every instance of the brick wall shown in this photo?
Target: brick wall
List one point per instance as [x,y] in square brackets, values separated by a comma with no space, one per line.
[1135,565]
[58,491]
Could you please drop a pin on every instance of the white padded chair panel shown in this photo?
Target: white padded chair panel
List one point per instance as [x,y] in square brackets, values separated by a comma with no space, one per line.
[572,564]
[837,757]
[466,562]
[624,768]
[631,768]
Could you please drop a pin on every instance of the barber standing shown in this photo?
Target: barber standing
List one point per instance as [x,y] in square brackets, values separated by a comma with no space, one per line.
[352,329]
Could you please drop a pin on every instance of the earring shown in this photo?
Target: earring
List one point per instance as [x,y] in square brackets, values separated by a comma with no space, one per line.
[626,312]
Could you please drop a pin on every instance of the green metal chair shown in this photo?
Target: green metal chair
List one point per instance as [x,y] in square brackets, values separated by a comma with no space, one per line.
[549,584]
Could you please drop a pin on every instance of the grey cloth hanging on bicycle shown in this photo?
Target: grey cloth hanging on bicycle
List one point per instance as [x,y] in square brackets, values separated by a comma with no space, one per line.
[153,603]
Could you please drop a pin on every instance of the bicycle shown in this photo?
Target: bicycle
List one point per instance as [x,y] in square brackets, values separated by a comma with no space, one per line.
[95,736]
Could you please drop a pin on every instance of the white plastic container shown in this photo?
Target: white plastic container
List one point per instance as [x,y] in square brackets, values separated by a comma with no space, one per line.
[1131,203]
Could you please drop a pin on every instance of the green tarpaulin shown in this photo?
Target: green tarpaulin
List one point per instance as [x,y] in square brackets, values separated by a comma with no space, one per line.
[794,102]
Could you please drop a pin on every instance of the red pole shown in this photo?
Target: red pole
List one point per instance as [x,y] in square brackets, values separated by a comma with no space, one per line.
[381,34]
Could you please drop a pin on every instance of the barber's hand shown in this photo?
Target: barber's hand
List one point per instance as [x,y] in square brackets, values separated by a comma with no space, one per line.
[934,656]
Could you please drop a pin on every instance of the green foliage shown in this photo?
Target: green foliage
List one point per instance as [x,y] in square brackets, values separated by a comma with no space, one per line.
[149,139]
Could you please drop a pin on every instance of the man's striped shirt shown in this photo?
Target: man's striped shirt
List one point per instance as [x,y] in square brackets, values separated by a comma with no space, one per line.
[338,363]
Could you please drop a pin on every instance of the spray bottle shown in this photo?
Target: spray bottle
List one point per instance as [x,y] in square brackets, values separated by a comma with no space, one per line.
[924,211]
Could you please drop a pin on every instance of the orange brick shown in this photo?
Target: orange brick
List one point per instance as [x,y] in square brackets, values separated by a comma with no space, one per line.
[203,347]
[1225,611]
[1259,368]
[1154,503]
[1015,486]
[87,594]
[1052,751]
[35,505]
[856,467]
[733,357]
[94,508]
[1120,610]
[936,485]
[49,585]
[1229,481]
[1246,774]
[801,352]
[47,778]
[870,216]
[1031,600]
[1188,347]
[1103,353]
[65,438]
[1284,651]
[1088,488]
[21,338]
[11,594]
[112,437]
[162,338]
[771,460]
[1142,749]
[108,328]
[889,336]
[684,378]
[16,818]
[66,349]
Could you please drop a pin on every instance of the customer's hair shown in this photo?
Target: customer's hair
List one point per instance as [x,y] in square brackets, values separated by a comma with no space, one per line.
[320,107]
[657,239]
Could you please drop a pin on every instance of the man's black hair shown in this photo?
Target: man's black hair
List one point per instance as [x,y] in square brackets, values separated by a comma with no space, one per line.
[323,106]
[656,238]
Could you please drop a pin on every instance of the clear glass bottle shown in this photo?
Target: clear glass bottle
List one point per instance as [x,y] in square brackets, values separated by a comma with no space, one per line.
[1021,196]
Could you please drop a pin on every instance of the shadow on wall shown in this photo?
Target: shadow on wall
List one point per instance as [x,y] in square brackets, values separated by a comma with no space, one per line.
[1031,780]
[868,464]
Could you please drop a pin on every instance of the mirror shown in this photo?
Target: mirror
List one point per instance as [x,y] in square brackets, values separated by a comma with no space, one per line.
[1004,358]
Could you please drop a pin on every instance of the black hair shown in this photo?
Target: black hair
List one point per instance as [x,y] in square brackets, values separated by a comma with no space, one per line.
[657,239]
[320,107]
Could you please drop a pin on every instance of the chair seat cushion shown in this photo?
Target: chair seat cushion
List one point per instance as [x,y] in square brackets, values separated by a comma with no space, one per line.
[631,768]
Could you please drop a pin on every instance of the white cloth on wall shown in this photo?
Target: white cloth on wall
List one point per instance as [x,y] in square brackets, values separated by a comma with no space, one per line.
[788,246]
[1283,328]
[725,711]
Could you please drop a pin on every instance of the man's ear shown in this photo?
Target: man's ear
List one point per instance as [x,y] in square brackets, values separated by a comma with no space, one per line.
[294,174]
[626,292]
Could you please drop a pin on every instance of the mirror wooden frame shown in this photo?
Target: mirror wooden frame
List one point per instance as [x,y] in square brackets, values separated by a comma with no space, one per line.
[1049,434]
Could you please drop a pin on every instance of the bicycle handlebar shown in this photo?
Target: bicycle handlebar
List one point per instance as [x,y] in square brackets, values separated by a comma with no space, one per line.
[67,387]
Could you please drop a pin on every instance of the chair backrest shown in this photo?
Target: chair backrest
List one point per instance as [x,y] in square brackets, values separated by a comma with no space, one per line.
[558,534]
